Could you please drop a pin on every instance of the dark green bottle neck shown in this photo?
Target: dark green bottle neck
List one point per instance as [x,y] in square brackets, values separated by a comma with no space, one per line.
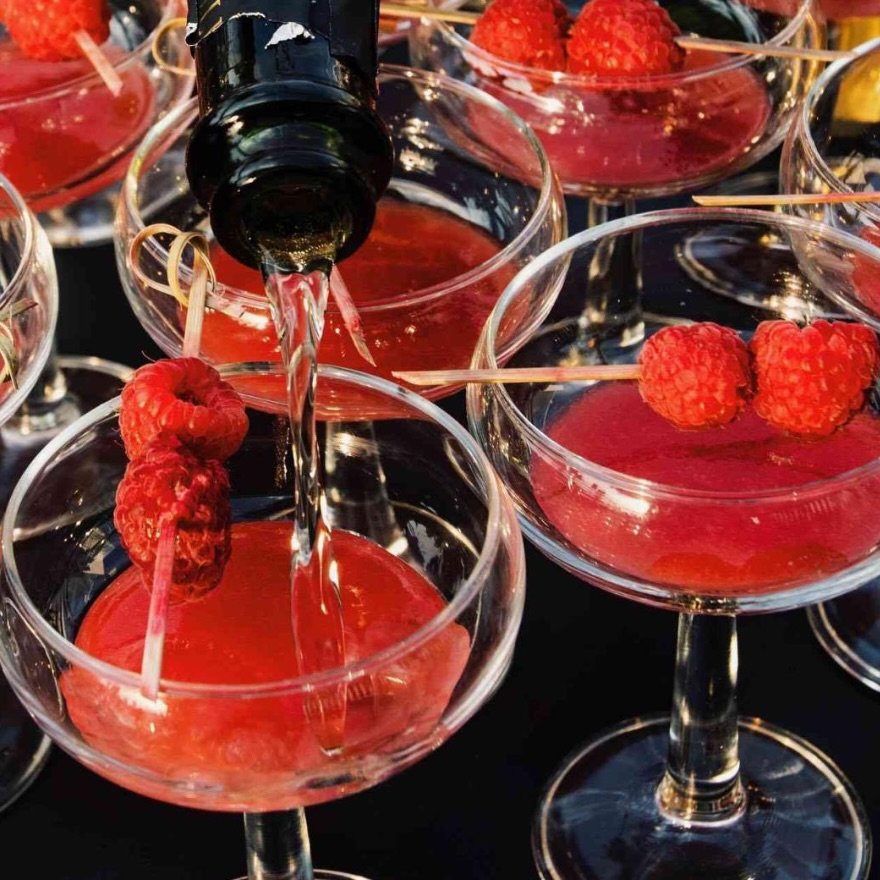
[289,155]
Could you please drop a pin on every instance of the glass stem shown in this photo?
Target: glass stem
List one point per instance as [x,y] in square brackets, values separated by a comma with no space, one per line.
[278,846]
[702,783]
[614,280]
[48,408]
[601,211]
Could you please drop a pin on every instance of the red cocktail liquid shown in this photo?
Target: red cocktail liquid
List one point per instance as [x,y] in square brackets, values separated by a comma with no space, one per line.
[665,133]
[397,281]
[63,135]
[840,9]
[230,753]
[711,544]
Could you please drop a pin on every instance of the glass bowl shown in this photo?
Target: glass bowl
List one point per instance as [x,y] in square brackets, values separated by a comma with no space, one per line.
[832,146]
[466,208]
[712,524]
[618,139]
[251,741]
[65,140]
[27,276]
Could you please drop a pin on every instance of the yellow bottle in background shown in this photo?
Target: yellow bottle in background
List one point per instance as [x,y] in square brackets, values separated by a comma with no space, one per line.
[859,96]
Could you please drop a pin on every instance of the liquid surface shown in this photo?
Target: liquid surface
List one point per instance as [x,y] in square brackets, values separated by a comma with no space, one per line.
[411,247]
[653,136]
[710,545]
[59,141]
[228,753]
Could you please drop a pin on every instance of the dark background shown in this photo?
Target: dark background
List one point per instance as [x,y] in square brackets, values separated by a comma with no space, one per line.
[585,660]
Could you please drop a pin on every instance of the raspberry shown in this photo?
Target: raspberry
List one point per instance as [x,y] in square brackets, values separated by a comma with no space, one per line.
[182,399]
[527,32]
[624,38]
[44,29]
[172,483]
[696,375]
[812,379]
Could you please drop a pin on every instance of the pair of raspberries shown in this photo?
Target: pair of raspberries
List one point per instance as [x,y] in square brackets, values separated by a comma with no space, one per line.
[608,38]
[806,380]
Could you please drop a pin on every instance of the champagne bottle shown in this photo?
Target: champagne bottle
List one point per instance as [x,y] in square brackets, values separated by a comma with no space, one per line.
[289,156]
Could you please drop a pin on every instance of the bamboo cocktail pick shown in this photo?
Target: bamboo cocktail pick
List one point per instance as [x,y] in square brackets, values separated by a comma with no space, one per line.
[728,47]
[520,375]
[773,199]
[93,54]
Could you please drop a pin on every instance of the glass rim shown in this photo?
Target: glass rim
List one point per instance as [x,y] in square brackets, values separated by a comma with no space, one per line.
[403,24]
[28,221]
[26,382]
[550,194]
[467,592]
[124,61]
[802,126]
[561,77]
[637,485]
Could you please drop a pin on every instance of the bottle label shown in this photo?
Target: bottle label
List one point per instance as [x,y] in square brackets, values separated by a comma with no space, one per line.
[350,26]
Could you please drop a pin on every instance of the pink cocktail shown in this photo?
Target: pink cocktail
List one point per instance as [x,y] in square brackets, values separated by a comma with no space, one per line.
[619,138]
[65,138]
[241,634]
[712,523]
[727,547]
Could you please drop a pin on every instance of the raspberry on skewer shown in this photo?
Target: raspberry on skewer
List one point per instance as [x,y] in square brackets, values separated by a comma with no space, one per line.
[166,484]
[177,418]
[808,380]
[696,375]
[183,399]
[811,380]
[528,32]
[61,30]
[624,38]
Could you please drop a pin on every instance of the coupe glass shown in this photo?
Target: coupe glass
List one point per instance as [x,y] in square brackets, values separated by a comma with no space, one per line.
[65,142]
[253,748]
[832,148]
[705,793]
[27,273]
[460,156]
[619,139]
[832,145]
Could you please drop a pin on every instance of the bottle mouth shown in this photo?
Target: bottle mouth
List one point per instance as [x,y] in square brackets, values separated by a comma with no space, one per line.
[297,212]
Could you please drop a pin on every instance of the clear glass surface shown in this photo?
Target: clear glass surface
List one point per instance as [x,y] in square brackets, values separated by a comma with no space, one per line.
[832,148]
[434,503]
[27,273]
[66,140]
[717,804]
[621,139]
[459,154]
[393,30]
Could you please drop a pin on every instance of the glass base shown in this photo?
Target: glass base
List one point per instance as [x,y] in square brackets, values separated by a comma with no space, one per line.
[848,628]
[599,817]
[329,875]
[89,381]
[87,221]
[23,747]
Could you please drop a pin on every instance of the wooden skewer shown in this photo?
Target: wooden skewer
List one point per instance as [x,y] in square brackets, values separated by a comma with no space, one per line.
[727,47]
[518,375]
[403,10]
[762,201]
[732,47]
[99,61]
